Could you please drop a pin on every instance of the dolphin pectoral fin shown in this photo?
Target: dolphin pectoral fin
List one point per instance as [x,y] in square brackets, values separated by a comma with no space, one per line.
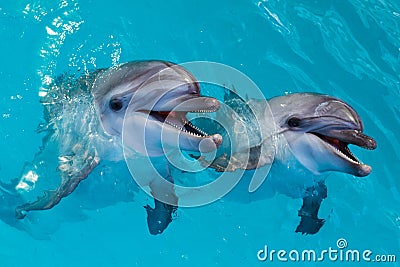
[159,217]
[70,179]
[219,164]
[165,199]
[310,223]
[223,163]
[247,160]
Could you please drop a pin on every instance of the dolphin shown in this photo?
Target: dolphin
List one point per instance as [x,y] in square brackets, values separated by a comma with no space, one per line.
[86,117]
[301,137]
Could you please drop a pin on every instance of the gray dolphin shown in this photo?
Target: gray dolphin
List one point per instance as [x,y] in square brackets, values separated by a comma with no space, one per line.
[84,120]
[303,136]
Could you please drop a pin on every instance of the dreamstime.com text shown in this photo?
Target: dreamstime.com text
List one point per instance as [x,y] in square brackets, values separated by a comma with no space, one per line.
[340,254]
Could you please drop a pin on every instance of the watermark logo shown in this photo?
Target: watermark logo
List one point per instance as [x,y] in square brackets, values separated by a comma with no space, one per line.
[341,243]
[158,128]
[339,254]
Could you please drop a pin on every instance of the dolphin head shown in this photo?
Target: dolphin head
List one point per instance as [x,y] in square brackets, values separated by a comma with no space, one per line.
[318,129]
[149,99]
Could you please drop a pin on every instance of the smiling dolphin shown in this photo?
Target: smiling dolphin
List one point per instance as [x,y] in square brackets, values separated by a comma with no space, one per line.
[85,118]
[306,136]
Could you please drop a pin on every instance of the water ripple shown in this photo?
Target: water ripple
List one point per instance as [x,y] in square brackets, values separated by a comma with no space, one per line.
[345,48]
[385,14]
[294,71]
[273,17]
[279,16]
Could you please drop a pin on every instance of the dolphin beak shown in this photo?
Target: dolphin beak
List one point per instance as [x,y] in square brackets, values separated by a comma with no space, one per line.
[200,104]
[191,104]
[354,137]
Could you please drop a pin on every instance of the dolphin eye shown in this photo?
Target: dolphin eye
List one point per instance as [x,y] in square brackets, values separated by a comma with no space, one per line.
[116,104]
[294,122]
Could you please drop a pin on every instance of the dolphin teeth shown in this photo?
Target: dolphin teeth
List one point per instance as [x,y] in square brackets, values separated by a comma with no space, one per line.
[341,147]
[197,129]
[184,124]
[357,161]
[204,111]
[183,129]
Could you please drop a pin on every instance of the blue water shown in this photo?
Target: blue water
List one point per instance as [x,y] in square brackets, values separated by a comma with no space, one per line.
[349,49]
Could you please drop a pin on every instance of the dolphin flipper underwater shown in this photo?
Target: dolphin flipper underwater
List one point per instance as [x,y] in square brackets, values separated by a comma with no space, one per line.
[309,135]
[84,120]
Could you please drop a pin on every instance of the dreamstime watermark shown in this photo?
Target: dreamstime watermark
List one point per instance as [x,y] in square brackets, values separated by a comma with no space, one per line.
[340,253]
[160,135]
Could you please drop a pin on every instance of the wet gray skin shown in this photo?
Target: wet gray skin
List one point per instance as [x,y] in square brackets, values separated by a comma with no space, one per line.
[319,131]
[302,136]
[84,125]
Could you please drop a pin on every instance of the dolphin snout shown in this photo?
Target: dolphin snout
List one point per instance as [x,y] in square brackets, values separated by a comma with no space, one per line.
[196,104]
[363,170]
[210,143]
[203,104]
[354,137]
[212,103]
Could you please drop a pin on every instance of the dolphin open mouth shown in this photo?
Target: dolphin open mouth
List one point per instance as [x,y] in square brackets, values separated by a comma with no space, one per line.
[177,115]
[340,139]
[179,120]
[190,136]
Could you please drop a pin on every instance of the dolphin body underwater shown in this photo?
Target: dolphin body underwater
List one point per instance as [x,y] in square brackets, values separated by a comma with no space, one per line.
[301,137]
[84,124]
